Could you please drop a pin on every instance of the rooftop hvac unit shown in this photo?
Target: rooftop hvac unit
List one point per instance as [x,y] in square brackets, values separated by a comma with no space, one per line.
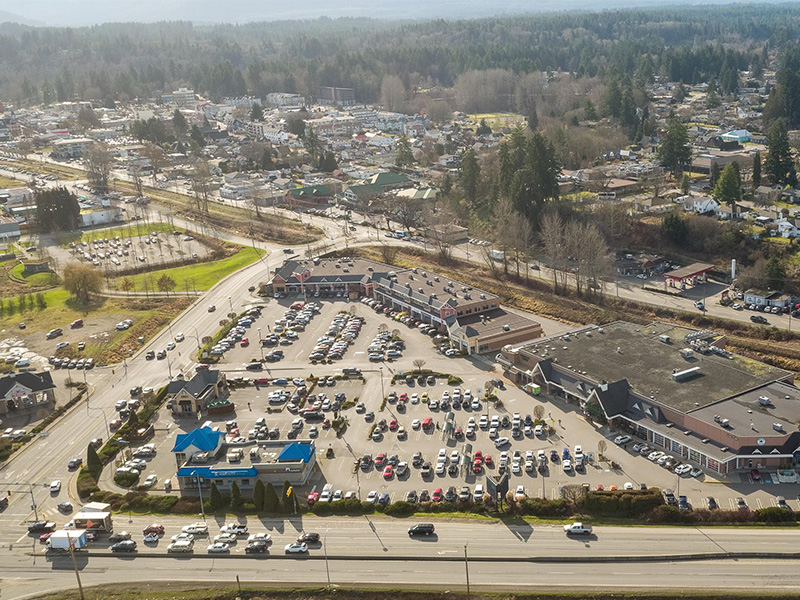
[725,422]
[685,374]
[664,338]
[764,401]
[777,427]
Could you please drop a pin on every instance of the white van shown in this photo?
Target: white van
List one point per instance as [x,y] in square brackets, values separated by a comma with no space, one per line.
[478,494]
[181,546]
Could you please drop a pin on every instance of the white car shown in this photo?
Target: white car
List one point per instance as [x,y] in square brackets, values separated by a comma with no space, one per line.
[520,493]
[259,537]
[295,548]
[566,465]
[441,468]
[500,442]
[150,481]
[218,548]
[55,486]
[195,529]
[415,424]
[372,497]
[182,536]
[228,538]
[476,404]
[622,439]
[627,486]
[180,337]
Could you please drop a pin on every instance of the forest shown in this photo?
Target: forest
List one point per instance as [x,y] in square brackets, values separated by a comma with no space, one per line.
[119,62]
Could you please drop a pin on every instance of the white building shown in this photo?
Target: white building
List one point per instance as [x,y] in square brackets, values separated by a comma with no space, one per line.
[184,98]
[101,216]
[699,204]
[283,99]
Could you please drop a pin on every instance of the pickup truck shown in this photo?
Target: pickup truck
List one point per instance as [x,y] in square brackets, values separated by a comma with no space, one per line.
[40,526]
[577,529]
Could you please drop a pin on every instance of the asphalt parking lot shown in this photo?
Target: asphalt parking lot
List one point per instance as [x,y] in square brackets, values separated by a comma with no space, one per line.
[569,428]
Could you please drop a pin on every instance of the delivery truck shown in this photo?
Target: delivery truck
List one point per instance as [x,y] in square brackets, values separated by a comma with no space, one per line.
[94,521]
[63,538]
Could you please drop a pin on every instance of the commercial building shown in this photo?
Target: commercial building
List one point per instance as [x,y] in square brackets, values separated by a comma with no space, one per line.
[471,318]
[336,95]
[184,98]
[71,148]
[203,456]
[281,99]
[19,391]
[677,388]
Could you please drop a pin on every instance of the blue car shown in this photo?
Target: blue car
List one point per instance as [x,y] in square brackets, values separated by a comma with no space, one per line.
[565,453]
[383,498]
[281,381]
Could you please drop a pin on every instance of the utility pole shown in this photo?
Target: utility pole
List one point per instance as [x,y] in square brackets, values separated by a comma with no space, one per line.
[325,548]
[75,565]
[466,567]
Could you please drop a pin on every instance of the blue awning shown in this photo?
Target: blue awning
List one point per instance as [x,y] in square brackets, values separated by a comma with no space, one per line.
[211,473]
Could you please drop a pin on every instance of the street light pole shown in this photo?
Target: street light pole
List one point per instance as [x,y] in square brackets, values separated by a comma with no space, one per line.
[260,345]
[325,548]
[466,567]
[382,394]
[200,492]
[230,303]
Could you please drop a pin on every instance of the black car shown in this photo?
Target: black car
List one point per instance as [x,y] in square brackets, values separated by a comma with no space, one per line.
[150,355]
[124,546]
[120,537]
[450,495]
[136,391]
[308,538]
[759,319]
[255,548]
[162,354]
[711,503]
[254,366]
[421,529]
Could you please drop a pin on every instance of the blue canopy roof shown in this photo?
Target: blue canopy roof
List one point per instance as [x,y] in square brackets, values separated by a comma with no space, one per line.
[204,439]
[211,473]
[296,451]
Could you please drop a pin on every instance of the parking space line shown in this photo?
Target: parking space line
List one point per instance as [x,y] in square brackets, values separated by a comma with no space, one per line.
[732,503]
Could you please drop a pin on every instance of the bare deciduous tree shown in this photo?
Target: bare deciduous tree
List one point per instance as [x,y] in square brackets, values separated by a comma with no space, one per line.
[551,237]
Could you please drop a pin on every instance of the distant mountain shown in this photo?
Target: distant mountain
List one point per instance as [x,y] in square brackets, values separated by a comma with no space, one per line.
[90,12]
[7,17]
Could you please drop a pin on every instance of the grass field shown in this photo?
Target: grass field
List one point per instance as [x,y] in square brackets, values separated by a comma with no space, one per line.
[7,182]
[200,276]
[35,279]
[498,120]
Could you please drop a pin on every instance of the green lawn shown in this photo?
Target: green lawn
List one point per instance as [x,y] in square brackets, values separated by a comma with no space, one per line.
[132,229]
[7,182]
[200,276]
[36,279]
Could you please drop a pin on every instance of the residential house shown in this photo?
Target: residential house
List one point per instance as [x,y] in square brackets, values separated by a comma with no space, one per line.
[739,136]
[311,196]
[361,193]
[699,203]
[787,228]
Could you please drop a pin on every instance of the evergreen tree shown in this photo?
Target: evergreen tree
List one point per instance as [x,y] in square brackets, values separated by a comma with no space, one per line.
[215,500]
[674,228]
[612,99]
[287,497]
[271,500]
[179,123]
[405,157]
[57,209]
[268,160]
[714,177]
[590,112]
[197,136]
[446,186]
[628,117]
[712,96]
[685,184]
[93,463]
[256,113]
[775,272]
[259,495]
[728,189]
[237,502]
[483,128]
[533,116]
[470,175]
[674,152]
[779,164]
[756,170]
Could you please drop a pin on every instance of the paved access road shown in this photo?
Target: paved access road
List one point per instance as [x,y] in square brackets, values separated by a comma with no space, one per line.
[26,579]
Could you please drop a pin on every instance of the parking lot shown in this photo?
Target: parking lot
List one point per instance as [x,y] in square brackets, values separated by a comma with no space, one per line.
[405,435]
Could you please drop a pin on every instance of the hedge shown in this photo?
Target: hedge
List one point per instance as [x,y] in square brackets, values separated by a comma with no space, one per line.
[126,479]
[87,485]
[672,514]
[620,503]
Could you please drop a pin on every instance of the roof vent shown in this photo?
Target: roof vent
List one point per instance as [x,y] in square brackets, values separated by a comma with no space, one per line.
[601,330]
[704,440]
[724,449]
[668,425]
[483,296]
[687,432]
[506,327]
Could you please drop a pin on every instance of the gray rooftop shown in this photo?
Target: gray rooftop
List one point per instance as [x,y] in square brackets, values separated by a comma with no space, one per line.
[634,352]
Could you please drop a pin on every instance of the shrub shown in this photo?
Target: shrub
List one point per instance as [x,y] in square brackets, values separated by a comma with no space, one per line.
[400,509]
[620,503]
[126,479]
[541,507]
[773,514]
[186,506]
[87,484]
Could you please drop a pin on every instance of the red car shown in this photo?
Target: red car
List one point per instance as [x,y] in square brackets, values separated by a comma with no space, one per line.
[458,433]
[477,467]
[202,367]
[115,424]
[388,472]
[427,423]
[380,459]
[756,475]
[437,495]
[403,397]
[153,528]
[312,498]
[244,343]
[487,460]
[393,425]
[479,456]
[262,381]
[45,536]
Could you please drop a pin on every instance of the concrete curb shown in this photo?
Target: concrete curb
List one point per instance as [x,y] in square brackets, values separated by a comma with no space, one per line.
[484,559]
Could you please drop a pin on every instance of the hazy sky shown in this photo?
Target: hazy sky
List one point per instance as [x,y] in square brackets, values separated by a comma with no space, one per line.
[87,12]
